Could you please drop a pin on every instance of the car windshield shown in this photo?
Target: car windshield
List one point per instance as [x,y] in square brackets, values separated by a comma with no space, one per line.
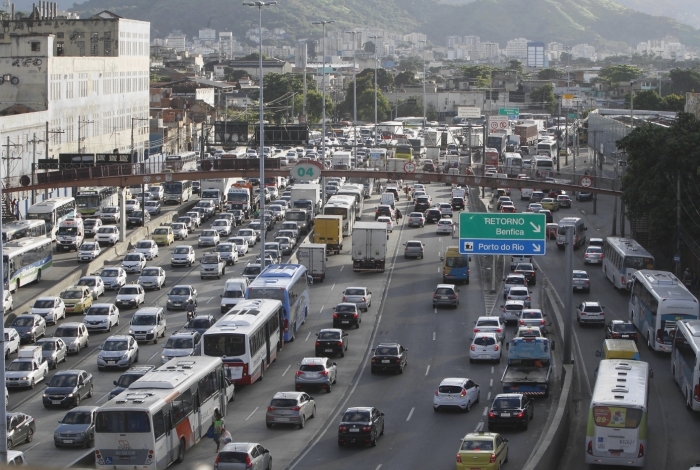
[199,323]
[76,417]
[150,272]
[66,332]
[245,233]
[87,282]
[127,290]
[233,294]
[210,260]
[457,261]
[144,244]
[180,291]
[185,220]
[593,308]
[220,223]
[251,270]
[580,276]
[517,291]
[237,241]
[450,389]
[105,230]
[482,323]
[63,380]
[47,345]
[354,292]
[87,246]
[224,248]
[387,351]
[132,257]
[72,294]
[623,327]
[208,233]
[177,226]
[20,366]
[47,303]
[333,335]
[179,343]
[143,320]
[311,368]
[182,250]
[160,231]
[356,417]
[594,249]
[515,280]
[109,273]
[98,311]
[110,210]
[153,204]
[115,345]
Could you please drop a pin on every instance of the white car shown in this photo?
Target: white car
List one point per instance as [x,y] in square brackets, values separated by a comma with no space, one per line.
[511,310]
[291,234]
[75,335]
[134,262]
[132,205]
[249,234]
[118,351]
[485,347]
[8,303]
[51,308]
[130,296]
[88,251]
[241,244]
[196,218]
[277,210]
[95,283]
[519,293]
[387,221]
[183,255]
[460,393]
[445,226]
[113,278]
[152,277]
[12,342]
[491,324]
[286,245]
[208,238]
[223,226]
[228,252]
[107,234]
[180,231]
[149,248]
[101,317]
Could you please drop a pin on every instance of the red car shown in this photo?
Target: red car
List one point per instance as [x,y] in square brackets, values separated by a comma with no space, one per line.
[509,209]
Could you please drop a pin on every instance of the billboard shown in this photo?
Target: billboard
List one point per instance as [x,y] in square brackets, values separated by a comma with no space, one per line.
[468,112]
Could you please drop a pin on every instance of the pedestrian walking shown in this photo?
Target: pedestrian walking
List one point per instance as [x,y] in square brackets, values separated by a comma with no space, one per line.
[218,423]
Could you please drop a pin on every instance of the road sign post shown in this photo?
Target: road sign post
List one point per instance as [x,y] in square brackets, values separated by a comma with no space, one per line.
[498,122]
[502,234]
[409,167]
[509,112]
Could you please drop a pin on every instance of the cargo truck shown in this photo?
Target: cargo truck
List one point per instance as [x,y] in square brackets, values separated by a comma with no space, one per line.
[342,161]
[395,165]
[528,133]
[310,192]
[216,189]
[529,366]
[328,230]
[369,247]
[313,257]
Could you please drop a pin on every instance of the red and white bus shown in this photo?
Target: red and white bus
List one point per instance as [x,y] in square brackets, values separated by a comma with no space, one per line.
[247,339]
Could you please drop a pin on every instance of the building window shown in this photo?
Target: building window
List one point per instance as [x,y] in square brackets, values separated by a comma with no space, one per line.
[59,35]
[108,43]
[81,48]
[93,44]
[59,48]
[36,46]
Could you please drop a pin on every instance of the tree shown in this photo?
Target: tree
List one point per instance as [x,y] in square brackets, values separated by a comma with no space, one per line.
[481,74]
[233,75]
[615,74]
[650,100]
[405,78]
[516,66]
[365,105]
[411,64]
[370,47]
[675,103]
[431,113]
[314,106]
[684,80]
[544,96]
[549,74]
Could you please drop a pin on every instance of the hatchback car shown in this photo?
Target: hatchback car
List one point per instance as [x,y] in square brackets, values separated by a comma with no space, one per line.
[113,278]
[53,351]
[361,425]
[127,378]
[130,296]
[20,428]
[101,317]
[77,428]
[581,281]
[619,329]
[564,200]
[590,312]
[485,347]
[180,231]
[593,255]
[413,249]
[149,249]
[118,351]
[131,205]
[445,209]
[550,204]
[446,295]
[533,317]
[529,332]
[243,455]
[387,220]
[88,251]
[416,219]
[180,344]
[508,209]
[445,226]
[179,296]
[51,309]
[241,244]
[94,283]
[223,226]
[361,296]
[138,218]
[534,207]
[152,277]
[249,234]
[529,271]
[316,372]
[290,408]
[208,238]
[513,280]
[422,203]
[491,324]
[581,196]
[510,311]
[228,252]
[68,388]
[331,341]
[134,262]
[520,293]
[108,234]
[432,215]
[77,299]
[200,323]
[456,393]
[389,356]
[30,327]
[347,314]
[482,450]
[511,409]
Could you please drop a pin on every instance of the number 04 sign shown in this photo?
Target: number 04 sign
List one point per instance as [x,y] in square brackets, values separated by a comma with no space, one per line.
[306,171]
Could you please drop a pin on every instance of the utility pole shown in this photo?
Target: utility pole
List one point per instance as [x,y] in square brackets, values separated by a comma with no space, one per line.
[558,122]
[79,127]
[354,91]
[8,158]
[595,169]
[131,155]
[46,140]
[678,221]
[34,142]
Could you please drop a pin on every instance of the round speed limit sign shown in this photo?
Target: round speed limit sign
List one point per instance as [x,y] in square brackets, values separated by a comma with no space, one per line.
[586,181]
[409,167]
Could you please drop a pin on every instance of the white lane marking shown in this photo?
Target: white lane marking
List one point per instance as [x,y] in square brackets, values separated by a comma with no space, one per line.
[321,311]
[251,414]
[103,397]
[427,370]
[378,467]
[333,286]
[286,370]
[410,413]
[488,397]
[492,369]
[479,427]
[491,383]
[341,268]
[433,336]
[32,447]
[307,336]
[209,299]
[439,268]
[486,410]
[435,310]
[154,355]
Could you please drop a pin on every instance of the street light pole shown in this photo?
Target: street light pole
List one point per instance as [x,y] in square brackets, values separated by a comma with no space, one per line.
[424,104]
[354,91]
[376,58]
[323,99]
[261,156]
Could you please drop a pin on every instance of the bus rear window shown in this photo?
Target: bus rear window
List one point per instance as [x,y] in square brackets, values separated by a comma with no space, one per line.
[617,417]
[122,422]
[230,345]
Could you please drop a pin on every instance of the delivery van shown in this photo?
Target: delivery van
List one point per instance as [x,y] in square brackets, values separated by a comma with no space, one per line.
[234,292]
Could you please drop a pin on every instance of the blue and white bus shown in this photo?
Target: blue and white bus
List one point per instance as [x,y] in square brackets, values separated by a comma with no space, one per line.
[287,283]
[53,211]
[659,300]
[24,261]
[621,258]
[685,361]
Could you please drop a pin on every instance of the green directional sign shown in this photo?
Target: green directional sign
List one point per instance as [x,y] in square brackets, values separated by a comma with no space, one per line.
[509,111]
[502,226]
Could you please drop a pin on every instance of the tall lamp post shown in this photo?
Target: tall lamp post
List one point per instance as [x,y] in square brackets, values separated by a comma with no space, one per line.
[260,5]
[376,58]
[354,90]
[424,104]
[323,23]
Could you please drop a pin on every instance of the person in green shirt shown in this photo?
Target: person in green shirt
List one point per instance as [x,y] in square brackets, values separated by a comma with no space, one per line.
[218,423]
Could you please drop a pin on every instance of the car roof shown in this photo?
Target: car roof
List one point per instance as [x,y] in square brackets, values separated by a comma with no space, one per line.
[510,395]
[480,435]
[620,322]
[89,408]
[388,344]
[148,310]
[532,310]
[360,408]
[590,302]
[355,287]
[314,360]
[449,286]
[516,275]
[104,304]
[70,372]
[287,395]
[485,333]
[118,338]
[488,317]
[579,271]
[346,303]
[453,381]
[515,302]
[238,447]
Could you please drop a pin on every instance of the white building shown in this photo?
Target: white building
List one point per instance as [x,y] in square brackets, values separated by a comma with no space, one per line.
[488,50]
[517,48]
[416,39]
[583,51]
[207,34]
[175,42]
[86,80]
[226,44]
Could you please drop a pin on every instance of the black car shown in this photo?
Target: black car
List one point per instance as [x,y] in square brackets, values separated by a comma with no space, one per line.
[77,428]
[138,218]
[429,167]
[389,356]
[331,341]
[361,425]
[200,323]
[457,203]
[30,327]
[432,215]
[20,428]
[196,187]
[584,196]
[422,203]
[618,329]
[347,314]
[203,214]
[68,388]
[384,209]
[129,377]
[511,409]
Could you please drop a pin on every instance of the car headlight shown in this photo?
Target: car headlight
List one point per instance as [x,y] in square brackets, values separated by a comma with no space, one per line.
[45,395]
[100,356]
[125,356]
[131,332]
[163,356]
[151,330]
[70,395]
[24,378]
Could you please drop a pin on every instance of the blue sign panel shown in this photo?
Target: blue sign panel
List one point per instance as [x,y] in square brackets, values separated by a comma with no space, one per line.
[502,247]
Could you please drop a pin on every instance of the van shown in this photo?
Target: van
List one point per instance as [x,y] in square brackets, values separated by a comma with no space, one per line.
[148,324]
[234,292]
[388,199]
[536,196]
[525,194]
[70,234]
[579,232]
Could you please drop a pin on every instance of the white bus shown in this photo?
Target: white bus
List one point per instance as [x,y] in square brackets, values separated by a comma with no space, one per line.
[159,417]
[24,261]
[247,338]
[343,208]
[621,258]
[91,199]
[685,361]
[52,211]
[185,161]
[19,229]
[177,192]
[617,418]
[356,191]
[659,300]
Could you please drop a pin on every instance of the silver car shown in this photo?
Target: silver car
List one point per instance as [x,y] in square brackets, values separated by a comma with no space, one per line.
[361,296]
[180,344]
[491,324]
[118,351]
[243,456]
[290,408]
[75,335]
[179,296]
[511,310]
[520,293]
[134,262]
[152,277]
[113,278]
[101,317]
[180,231]
[53,351]
[316,372]
[88,251]
[196,218]
[593,255]
[208,238]
[413,249]
[249,234]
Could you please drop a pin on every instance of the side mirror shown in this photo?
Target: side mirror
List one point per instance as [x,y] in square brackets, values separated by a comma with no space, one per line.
[335,364]
[381,414]
[221,295]
[442,259]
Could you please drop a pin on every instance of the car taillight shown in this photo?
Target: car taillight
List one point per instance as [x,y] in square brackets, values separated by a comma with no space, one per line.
[286,325]
[527,298]
[519,415]
[374,359]
[342,429]
[473,348]
[216,460]
[354,315]
[476,330]
[641,451]
[299,372]
[622,280]
[437,393]
[434,296]
[459,459]
[493,458]
[364,299]
[586,255]
[492,414]
[344,299]
[340,343]
[463,394]
[248,463]
[324,373]
[522,322]
[296,408]
[366,428]
[397,360]
[335,315]
[542,322]
[495,348]
[589,448]
[498,330]
[318,343]
[602,256]
[270,408]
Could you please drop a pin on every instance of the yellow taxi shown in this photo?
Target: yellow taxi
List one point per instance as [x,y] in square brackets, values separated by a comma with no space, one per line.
[482,451]
[550,204]
[77,299]
[164,235]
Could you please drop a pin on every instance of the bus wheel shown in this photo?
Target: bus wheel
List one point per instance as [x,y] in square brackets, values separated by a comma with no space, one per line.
[181,452]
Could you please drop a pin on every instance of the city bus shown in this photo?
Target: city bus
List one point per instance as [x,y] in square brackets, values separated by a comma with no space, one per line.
[412,122]
[455,266]
[91,199]
[185,161]
[177,192]
[53,211]
[151,424]
[621,258]
[287,283]
[342,208]
[659,300]
[25,260]
[19,229]
[367,185]
[616,433]
[247,339]
[685,361]
[356,191]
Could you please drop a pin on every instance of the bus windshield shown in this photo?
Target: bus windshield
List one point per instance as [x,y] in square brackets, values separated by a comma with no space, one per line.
[224,345]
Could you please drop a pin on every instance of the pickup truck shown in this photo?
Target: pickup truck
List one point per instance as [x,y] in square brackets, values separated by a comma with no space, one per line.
[529,366]
[25,372]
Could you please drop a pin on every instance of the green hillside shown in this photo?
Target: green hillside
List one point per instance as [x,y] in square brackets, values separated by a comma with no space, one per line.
[569,21]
